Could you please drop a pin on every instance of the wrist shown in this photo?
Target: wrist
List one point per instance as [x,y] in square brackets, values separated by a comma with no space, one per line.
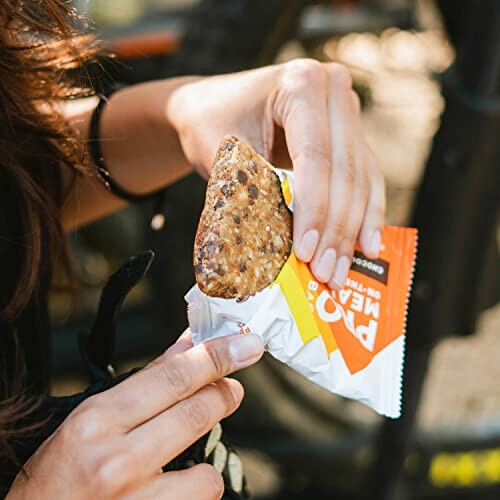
[163,99]
[140,145]
[184,111]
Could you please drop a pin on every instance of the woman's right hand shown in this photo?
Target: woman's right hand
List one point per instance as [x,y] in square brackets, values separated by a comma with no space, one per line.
[114,444]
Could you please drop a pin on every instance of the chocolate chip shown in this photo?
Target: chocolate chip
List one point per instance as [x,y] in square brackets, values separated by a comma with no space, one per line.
[239,240]
[253,191]
[210,247]
[227,190]
[227,146]
[219,271]
[219,204]
[198,268]
[263,249]
[236,219]
[254,165]
[242,177]
[243,267]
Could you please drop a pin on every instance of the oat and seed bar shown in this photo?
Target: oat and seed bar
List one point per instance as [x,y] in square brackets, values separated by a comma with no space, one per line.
[245,232]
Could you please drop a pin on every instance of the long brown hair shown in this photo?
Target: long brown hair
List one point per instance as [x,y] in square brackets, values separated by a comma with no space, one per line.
[39,44]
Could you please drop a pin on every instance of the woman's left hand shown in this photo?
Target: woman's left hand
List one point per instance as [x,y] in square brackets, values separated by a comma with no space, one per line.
[339,191]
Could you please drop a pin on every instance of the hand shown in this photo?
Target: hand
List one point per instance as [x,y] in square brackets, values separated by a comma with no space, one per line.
[306,112]
[114,444]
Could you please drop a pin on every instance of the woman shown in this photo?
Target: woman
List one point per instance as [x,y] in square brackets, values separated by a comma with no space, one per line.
[115,443]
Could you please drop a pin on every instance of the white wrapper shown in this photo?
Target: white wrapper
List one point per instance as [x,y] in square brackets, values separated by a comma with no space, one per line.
[350,342]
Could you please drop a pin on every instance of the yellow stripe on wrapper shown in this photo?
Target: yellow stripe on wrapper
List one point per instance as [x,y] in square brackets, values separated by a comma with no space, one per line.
[287,192]
[305,278]
[294,293]
[294,280]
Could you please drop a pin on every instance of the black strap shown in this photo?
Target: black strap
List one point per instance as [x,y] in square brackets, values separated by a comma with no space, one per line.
[95,151]
[97,347]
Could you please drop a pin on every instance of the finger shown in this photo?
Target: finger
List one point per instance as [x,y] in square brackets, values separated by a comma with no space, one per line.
[300,108]
[164,437]
[202,482]
[355,215]
[344,176]
[151,391]
[370,236]
[366,217]
[361,192]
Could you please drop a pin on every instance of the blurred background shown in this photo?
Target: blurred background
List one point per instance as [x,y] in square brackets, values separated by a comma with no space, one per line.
[428,74]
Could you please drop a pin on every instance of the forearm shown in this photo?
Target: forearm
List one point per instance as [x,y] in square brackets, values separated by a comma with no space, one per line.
[140,147]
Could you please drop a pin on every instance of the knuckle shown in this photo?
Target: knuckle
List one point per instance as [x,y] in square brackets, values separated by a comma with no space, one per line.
[300,74]
[109,474]
[336,229]
[219,359]
[304,67]
[319,208]
[316,156]
[84,425]
[340,76]
[213,481]
[348,240]
[177,376]
[195,414]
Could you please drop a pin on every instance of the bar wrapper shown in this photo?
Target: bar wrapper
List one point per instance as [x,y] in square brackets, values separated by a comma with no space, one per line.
[350,342]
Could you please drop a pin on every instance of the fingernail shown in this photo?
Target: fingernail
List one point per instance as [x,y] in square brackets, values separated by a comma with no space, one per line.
[375,243]
[341,270]
[307,246]
[326,265]
[245,347]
